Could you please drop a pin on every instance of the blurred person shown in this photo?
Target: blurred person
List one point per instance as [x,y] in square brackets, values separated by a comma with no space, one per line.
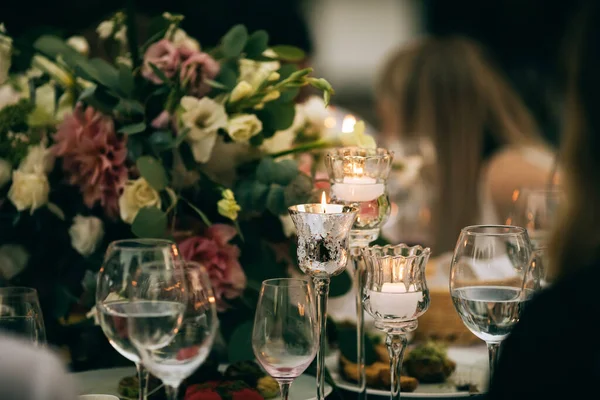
[487,143]
[32,373]
[549,354]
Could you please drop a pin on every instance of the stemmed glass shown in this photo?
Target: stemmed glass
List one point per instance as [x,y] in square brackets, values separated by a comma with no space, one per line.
[121,262]
[285,334]
[492,276]
[190,338]
[395,295]
[21,314]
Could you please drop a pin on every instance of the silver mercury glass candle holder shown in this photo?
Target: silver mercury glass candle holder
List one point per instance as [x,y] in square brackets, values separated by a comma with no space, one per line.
[323,236]
[358,178]
[395,295]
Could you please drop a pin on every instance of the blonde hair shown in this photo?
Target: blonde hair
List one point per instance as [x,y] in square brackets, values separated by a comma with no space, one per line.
[447,89]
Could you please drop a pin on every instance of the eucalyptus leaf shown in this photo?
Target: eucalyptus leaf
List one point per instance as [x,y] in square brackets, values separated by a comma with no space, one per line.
[153,172]
[279,172]
[53,47]
[277,116]
[150,222]
[215,84]
[104,73]
[251,195]
[162,140]
[239,347]
[135,147]
[126,80]
[257,44]
[276,200]
[286,70]
[161,75]
[234,41]
[132,129]
[99,98]
[130,108]
[289,95]
[289,53]
[227,77]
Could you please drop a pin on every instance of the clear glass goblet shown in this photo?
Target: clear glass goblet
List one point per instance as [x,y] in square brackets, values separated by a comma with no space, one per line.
[193,338]
[285,334]
[121,262]
[492,277]
[396,295]
[21,314]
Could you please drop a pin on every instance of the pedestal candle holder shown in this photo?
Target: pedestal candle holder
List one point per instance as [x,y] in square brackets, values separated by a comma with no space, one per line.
[395,295]
[358,178]
[323,236]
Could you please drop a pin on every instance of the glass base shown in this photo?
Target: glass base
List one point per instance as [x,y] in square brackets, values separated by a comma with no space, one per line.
[396,328]
[362,237]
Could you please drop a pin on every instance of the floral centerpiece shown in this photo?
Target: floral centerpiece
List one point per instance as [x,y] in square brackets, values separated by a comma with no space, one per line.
[168,139]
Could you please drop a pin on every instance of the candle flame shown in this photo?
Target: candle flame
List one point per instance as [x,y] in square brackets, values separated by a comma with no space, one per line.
[357,170]
[348,123]
[323,199]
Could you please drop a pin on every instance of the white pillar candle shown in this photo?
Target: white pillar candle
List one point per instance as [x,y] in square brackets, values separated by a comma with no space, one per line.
[394,301]
[358,188]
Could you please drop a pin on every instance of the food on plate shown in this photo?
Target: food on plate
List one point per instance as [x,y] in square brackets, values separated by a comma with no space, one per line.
[378,375]
[222,390]
[268,387]
[247,371]
[429,363]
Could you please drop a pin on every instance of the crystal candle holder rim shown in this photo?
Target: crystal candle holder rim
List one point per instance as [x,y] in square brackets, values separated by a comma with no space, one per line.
[503,230]
[344,209]
[352,153]
[381,252]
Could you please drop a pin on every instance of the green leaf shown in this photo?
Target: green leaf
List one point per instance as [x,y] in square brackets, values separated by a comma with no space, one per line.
[326,98]
[135,147]
[53,47]
[289,53]
[251,195]
[202,216]
[277,116]
[161,75]
[282,172]
[162,140]
[276,200]
[286,70]
[215,84]
[289,95]
[240,343]
[227,77]
[152,171]
[257,140]
[234,41]
[103,73]
[257,44]
[132,129]
[321,84]
[131,108]
[340,284]
[296,76]
[126,81]
[99,98]
[150,222]
[299,190]
[181,135]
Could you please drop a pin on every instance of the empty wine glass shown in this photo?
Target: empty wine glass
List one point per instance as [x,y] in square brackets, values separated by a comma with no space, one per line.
[491,279]
[121,262]
[285,337]
[21,314]
[194,336]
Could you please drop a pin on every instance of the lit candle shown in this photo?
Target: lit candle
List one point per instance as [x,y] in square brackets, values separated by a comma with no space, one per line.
[393,300]
[357,187]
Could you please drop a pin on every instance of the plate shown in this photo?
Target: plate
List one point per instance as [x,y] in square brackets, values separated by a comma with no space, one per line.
[106,381]
[471,367]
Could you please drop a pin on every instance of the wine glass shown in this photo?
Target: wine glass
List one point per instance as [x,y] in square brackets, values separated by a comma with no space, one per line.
[285,336]
[194,335]
[121,262]
[491,279]
[536,210]
[21,314]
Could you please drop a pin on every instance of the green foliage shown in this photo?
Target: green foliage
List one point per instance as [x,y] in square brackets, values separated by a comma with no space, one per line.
[251,195]
[299,190]
[279,172]
[150,222]
[153,172]
[234,41]
[276,200]
[227,76]
[132,129]
[126,80]
[289,53]
[13,118]
[257,44]
[277,115]
[99,98]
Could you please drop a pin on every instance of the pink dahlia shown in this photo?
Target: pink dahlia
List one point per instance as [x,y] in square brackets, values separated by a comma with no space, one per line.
[220,260]
[93,157]
[196,68]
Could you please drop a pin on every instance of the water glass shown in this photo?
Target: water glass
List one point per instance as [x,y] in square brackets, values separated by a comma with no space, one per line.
[536,210]
[492,277]
[285,336]
[21,314]
[190,345]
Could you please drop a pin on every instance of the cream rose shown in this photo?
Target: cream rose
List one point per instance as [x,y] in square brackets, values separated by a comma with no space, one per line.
[256,72]
[86,233]
[203,118]
[80,44]
[29,190]
[39,159]
[5,172]
[137,195]
[105,29]
[244,126]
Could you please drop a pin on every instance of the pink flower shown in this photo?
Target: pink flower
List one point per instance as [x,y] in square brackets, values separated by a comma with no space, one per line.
[196,68]
[220,260]
[93,157]
[164,55]
[162,120]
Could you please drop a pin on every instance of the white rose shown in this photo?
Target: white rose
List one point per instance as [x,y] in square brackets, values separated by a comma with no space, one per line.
[13,260]
[315,111]
[80,44]
[137,195]
[244,126]
[256,72]
[29,190]
[86,233]
[105,29]
[203,118]
[39,160]
[5,172]
[5,57]
[182,39]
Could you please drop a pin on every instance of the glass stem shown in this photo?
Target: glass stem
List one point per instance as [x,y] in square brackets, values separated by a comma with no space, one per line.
[396,343]
[493,353]
[284,387]
[142,374]
[360,323]
[322,289]
[171,392]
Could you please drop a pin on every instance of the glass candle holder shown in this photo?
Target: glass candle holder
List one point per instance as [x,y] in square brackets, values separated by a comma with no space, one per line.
[323,245]
[396,295]
[358,177]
